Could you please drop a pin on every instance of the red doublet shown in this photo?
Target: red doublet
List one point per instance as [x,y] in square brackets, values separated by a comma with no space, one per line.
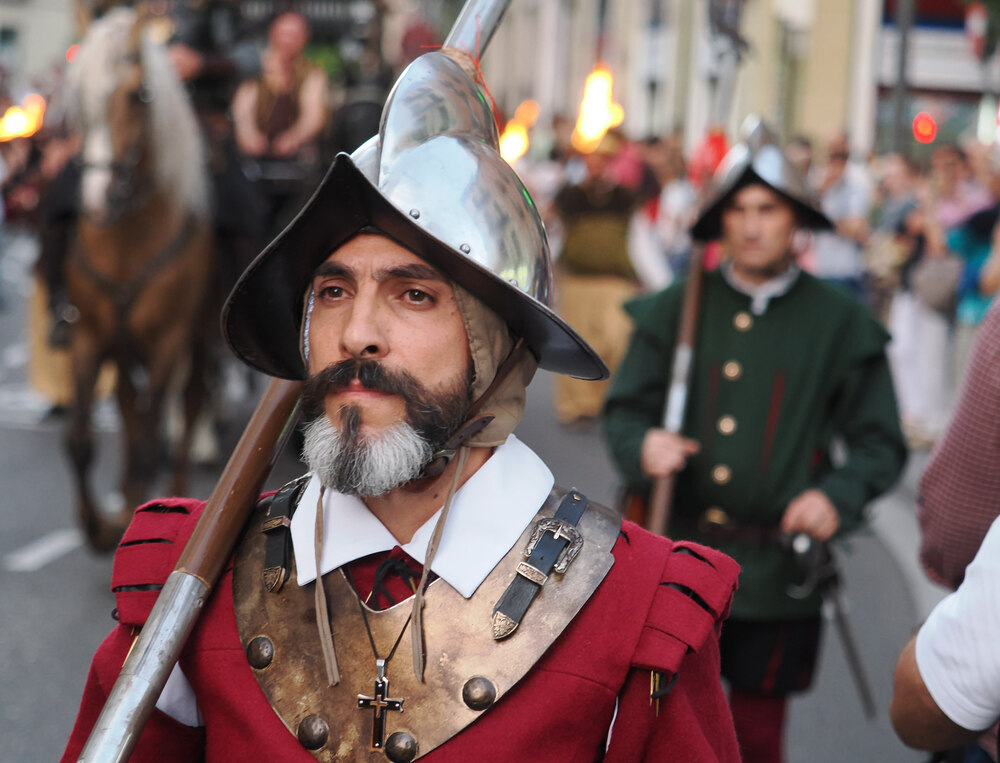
[659,609]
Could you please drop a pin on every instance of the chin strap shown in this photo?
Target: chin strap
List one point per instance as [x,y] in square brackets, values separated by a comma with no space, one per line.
[417,616]
[474,424]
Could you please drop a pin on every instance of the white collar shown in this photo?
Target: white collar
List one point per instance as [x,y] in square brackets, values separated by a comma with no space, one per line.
[488,515]
[761,294]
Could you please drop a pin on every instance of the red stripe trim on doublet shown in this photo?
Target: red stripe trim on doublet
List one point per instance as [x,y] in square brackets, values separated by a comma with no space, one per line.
[771,673]
[773,414]
[711,406]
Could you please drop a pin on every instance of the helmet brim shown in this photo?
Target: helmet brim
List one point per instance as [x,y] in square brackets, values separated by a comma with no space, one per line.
[262,318]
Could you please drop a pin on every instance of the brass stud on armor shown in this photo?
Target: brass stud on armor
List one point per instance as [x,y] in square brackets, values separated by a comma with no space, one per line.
[400,747]
[313,732]
[479,693]
[743,321]
[260,652]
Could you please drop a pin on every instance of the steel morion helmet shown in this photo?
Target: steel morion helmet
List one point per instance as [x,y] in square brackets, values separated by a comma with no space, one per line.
[757,159]
[432,180]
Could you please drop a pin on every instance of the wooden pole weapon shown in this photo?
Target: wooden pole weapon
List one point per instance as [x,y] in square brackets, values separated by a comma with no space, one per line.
[661,498]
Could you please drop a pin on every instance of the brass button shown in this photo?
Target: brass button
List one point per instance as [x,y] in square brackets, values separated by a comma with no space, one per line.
[715,516]
[743,321]
[732,370]
[727,425]
[721,474]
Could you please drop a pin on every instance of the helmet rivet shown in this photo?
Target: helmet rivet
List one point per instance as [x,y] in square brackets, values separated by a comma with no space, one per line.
[465,248]
[512,281]
[415,214]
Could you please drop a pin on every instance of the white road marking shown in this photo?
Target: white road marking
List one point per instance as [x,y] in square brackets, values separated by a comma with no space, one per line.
[14,355]
[23,408]
[43,551]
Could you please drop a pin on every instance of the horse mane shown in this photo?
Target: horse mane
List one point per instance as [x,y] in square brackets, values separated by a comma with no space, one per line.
[179,163]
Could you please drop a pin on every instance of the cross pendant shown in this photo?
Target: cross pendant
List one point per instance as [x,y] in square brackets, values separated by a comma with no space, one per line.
[379,703]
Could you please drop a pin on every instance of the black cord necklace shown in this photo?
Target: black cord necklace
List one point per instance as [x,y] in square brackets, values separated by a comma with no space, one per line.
[379,702]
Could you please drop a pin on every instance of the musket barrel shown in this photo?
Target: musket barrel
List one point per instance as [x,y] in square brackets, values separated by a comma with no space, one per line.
[149,662]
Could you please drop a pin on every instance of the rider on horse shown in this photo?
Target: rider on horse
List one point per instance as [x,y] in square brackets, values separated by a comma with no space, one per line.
[211,53]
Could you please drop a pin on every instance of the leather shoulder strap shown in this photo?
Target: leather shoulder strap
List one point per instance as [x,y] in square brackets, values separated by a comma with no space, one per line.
[278,511]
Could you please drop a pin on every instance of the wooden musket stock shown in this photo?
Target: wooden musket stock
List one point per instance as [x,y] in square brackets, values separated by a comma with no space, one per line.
[661,498]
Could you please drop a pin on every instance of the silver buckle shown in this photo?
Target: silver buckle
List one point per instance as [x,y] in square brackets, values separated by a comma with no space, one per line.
[559,529]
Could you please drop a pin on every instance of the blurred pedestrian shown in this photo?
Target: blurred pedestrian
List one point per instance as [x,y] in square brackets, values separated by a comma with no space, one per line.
[920,324]
[677,206]
[959,201]
[894,199]
[782,364]
[595,274]
[844,198]
[278,118]
[799,152]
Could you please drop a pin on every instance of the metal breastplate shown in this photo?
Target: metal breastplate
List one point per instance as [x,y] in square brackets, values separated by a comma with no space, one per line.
[468,669]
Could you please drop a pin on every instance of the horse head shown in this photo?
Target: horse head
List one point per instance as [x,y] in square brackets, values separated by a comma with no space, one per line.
[139,132]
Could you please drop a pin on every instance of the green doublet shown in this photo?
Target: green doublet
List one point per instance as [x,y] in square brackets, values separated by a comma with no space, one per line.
[768,395]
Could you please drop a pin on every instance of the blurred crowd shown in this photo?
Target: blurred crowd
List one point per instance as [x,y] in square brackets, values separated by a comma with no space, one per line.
[918,244]
[915,243]
[273,110]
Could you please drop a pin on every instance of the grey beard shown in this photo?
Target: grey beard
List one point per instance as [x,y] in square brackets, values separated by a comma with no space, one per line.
[352,464]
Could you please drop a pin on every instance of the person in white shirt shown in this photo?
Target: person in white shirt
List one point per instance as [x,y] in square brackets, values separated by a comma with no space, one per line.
[947,685]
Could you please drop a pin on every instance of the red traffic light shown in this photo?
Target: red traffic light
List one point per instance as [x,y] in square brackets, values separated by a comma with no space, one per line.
[924,128]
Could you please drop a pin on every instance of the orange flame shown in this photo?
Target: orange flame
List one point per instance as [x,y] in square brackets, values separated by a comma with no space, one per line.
[514,141]
[23,121]
[598,112]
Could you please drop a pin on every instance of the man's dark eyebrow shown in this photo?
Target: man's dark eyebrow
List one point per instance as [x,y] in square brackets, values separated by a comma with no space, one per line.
[332,269]
[416,271]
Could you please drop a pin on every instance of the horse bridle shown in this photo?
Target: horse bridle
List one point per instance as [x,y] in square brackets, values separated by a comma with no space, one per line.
[124,295]
[124,193]
[128,196]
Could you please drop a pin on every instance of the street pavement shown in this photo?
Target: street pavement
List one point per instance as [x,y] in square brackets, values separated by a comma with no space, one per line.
[56,606]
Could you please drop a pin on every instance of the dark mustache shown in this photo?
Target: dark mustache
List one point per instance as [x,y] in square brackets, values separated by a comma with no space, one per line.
[372,375]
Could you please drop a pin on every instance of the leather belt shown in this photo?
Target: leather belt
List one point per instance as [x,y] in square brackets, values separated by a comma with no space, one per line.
[709,525]
[552,546]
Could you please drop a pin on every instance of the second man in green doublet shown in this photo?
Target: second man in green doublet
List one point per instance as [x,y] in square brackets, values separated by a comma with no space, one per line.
[790,425]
